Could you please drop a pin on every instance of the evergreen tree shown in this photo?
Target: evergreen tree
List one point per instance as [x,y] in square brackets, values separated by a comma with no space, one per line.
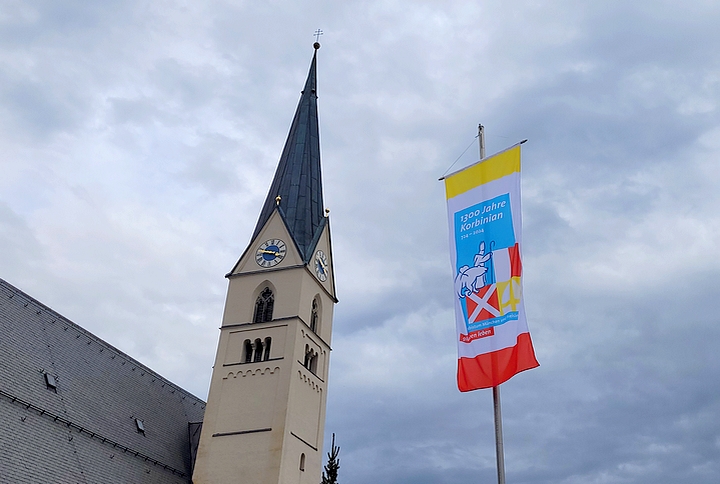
[329,475]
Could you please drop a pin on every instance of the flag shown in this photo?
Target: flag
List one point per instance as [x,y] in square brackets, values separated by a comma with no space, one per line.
[483,203]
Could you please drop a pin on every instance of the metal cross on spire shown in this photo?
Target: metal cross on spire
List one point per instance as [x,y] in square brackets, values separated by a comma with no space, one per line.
[317,34]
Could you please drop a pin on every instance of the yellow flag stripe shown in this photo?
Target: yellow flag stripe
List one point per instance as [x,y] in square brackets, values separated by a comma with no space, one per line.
[493,168]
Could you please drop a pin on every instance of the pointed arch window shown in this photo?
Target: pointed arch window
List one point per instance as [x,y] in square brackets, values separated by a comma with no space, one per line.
[314,316]
[264,306]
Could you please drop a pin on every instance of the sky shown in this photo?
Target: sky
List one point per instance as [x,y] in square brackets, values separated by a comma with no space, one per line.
[138,140]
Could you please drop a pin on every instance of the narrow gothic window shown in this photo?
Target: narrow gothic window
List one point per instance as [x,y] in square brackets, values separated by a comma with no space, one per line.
[313,363]
[310,361]
[248,350]
[302,462]
[266,355]
[258,350]
[306,362]
[264,306]
[314,316]
[269,308]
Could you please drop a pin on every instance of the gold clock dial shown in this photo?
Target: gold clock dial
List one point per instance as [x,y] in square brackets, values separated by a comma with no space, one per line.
[270,253]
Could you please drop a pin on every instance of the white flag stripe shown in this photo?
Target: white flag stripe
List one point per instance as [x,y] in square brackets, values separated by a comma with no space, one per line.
[501,264]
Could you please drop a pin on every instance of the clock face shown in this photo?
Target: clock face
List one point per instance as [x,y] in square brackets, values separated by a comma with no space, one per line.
[321,266]
[270,253]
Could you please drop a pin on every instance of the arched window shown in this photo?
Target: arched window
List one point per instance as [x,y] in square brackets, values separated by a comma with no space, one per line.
[308,355]
[264,306]
[302,462]
[314,316]
[310,361]
[313,363]
[266,354]
[248,351]
[256,351]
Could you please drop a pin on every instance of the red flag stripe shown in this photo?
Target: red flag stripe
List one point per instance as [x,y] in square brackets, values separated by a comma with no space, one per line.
[515,262]
[492,369]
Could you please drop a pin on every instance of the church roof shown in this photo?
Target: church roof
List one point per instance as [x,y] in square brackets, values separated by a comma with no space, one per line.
[297,179]
[70,405]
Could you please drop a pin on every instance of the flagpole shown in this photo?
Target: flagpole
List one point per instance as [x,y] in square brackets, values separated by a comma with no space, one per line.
[499,450]
[481,138]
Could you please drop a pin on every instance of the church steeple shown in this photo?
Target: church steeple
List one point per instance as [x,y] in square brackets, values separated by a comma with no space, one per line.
[265,417]
[297,180]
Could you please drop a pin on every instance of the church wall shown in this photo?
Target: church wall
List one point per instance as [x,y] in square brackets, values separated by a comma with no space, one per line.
[306,411]
[242,292]
[309,291]
[243,434]
[291,472]
[306,397]
[312,287]
[244,458]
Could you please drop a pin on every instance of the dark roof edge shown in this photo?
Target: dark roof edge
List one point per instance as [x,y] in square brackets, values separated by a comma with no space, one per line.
[12,292]
[314,242]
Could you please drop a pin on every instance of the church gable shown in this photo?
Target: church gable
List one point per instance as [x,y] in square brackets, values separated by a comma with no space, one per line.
[272,248]
[320,261]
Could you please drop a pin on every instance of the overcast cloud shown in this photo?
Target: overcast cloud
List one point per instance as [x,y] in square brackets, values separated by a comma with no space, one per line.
[138,140]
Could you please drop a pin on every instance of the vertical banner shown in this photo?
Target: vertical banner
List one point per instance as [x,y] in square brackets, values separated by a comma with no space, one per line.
[483,203]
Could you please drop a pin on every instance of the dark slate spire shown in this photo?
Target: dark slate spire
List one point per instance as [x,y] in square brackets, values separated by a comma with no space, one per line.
[297,179]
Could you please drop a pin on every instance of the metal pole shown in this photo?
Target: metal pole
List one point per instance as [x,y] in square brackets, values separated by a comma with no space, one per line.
[499,451]
[481,138]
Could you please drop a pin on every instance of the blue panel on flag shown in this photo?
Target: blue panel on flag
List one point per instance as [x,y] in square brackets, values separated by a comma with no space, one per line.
[489,221]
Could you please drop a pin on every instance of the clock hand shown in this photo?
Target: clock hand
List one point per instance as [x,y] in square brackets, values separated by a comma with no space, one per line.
[276,254]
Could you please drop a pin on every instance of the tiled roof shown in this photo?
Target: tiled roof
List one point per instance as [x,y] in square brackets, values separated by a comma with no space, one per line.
[297,179]
[85,430]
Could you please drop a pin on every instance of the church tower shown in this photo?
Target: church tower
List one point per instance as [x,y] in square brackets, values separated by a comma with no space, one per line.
[265,413]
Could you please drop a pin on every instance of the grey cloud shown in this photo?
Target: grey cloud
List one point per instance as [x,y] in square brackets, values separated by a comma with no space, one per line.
[37,111]
[183,116]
